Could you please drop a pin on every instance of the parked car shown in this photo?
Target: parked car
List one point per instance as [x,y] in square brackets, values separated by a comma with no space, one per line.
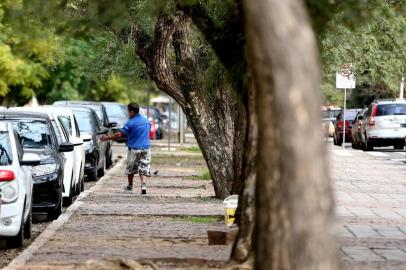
[95,149]
[117,113]
[339,126]
[101,113]
[329,120]
[153,131]
[16,188]
[156,117]
[356,130]
[74,165]
[384,124]
[37,136]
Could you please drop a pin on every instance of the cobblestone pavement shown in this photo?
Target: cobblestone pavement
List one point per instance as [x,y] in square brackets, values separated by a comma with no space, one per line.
[166,228]
[370,193]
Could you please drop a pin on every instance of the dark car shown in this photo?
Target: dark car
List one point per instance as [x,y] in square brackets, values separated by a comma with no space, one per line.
[356,130]
[117,113]
[339,126]
[95,149]
[157,118]
[101,113]
[36,135]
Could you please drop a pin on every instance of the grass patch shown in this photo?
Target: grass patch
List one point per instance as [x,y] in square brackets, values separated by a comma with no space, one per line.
[194,219]
[176,160]
[204,176]
[192,149]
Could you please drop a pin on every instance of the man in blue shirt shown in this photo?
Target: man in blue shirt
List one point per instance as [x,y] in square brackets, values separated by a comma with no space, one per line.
[139,146]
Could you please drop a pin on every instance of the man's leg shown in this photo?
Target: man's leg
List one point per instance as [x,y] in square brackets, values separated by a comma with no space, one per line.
[130,180]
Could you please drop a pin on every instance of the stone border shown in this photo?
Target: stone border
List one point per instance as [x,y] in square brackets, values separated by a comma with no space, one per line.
[26,255]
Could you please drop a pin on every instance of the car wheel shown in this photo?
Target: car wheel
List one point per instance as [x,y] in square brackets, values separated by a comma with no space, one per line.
[102,171]
[399,146]
[82,185]
[368,145]
[28,225]
[18,240]
[55,213]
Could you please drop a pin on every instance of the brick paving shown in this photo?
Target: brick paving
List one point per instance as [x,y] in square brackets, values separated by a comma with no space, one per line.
[154,229]
[370,195]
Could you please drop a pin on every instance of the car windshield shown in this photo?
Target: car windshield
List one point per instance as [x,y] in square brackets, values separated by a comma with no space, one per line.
[349,115]
[99,112]
[66,121]
[331,113]
[391,109]
[33,133]
[115,111]
[84,120]
[5,149]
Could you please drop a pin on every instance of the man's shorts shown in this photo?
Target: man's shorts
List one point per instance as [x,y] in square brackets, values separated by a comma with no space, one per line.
[138,162]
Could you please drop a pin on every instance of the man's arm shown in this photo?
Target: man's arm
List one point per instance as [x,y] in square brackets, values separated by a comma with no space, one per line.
[115,136]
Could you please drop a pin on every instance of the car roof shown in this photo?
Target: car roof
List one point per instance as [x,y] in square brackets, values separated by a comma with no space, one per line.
[76,108]
[78,102]
[10,113]
[389,101]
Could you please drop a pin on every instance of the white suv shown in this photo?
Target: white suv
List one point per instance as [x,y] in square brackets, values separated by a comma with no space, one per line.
[384,124]
[15,188]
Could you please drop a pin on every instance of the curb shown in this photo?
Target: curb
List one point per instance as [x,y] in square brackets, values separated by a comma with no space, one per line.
[26,255]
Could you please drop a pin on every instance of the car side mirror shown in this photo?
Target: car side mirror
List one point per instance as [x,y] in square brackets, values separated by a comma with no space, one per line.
[112,124]
[103,131]
[86,137]
[66,147]
[360,117]
[30,159]
[76,141]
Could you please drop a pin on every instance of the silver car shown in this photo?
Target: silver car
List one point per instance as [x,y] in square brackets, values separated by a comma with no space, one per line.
[384,124]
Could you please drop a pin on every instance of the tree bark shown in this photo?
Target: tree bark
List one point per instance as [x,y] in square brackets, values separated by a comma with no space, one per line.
[218,120]
[294,221]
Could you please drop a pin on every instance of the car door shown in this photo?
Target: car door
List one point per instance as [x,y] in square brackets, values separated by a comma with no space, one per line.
[25,173]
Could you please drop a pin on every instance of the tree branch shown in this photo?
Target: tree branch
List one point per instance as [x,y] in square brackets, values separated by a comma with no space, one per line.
[228,42]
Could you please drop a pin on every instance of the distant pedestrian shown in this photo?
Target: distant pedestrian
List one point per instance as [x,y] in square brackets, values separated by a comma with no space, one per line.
[139,146]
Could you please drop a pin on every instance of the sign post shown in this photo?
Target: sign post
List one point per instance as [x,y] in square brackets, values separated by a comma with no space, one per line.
[345,79]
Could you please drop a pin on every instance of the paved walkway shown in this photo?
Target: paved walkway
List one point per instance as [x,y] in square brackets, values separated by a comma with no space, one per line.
[161,229]
[370,191]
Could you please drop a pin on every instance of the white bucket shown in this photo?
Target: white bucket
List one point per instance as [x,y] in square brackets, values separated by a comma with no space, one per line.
[230,207]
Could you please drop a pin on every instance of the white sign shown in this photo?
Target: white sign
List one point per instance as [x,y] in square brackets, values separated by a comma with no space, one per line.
[345,81]
[345,78]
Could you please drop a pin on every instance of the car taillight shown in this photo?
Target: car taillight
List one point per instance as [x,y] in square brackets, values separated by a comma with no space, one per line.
[6,175]
[373,114]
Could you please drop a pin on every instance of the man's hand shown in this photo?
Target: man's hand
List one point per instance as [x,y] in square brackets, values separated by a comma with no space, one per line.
[104,138]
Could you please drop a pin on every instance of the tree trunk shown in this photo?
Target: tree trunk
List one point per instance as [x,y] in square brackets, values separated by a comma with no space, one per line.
[294,221]
[218,119]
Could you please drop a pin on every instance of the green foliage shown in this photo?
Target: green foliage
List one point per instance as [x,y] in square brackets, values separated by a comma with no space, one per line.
[376,47]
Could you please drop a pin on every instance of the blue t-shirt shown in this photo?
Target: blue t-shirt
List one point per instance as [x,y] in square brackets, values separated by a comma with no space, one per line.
[137,131]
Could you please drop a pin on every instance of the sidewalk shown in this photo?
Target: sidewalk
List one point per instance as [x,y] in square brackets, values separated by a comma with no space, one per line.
[166,228]
[370,193]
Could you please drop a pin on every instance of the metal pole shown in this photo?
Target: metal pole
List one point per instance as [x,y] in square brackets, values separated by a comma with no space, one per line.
[402,86]
[182,127]
[345,108]
[149,101]
[170,124]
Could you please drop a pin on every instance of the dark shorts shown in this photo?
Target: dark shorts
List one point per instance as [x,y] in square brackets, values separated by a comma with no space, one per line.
[138,162]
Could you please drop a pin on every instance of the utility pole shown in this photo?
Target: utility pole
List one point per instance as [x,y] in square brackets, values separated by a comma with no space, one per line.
[402,87]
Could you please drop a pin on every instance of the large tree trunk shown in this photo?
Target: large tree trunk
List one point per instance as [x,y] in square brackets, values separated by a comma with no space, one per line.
[218,119]
[294,221]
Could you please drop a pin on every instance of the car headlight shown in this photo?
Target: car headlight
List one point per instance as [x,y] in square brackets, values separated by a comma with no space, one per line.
[43,169]
[9,191]
[88,146]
